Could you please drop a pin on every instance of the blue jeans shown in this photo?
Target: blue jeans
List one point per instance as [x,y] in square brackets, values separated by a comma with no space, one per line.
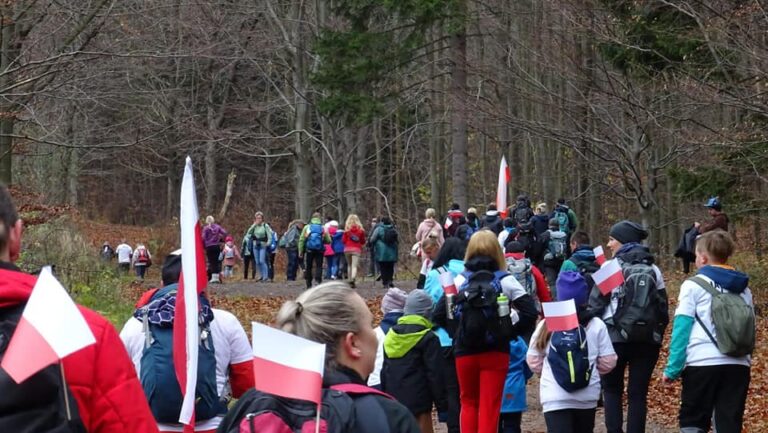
[260,260]
[293,264]
[332,263]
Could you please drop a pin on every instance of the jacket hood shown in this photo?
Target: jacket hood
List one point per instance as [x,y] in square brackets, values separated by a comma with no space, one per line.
[429,222]
[316,221]
[584,253]
[479,263]
[491,215]
[729,279]
[389,320]
[406,335]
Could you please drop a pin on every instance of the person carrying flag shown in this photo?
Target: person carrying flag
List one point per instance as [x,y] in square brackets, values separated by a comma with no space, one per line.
[100,378]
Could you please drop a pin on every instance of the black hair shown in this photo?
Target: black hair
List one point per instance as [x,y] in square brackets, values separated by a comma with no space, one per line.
[455,206]
[581,238]
[452,249]
[561,200]
[515,247]
[171,269]
[492,206]
[509,222]
[385,220]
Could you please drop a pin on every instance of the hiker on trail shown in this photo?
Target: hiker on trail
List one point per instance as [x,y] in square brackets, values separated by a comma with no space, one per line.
[354,242]
[335,315]
[464,231]
[106,253]
[247,252]
[452,220]
[385,238]
[430,228]
[541,219]
[142,260]
[392,305]
[583,257]
[290,241]
[412,366]
[514,402]
[712,339]
[260,234]
[686,249]
[331,260]
[555,245]
[271,255]
[230,255]
[449,259]
[521,212]
[429,248]
[213,237]
[567,220]
[570,383]
[373,266]
[472,219]
[508,234]
[483,332]
[104,394]
[225,359]
[719,218]
[124,254]
[636,314]
[528,275]
[312,247]
[492,220]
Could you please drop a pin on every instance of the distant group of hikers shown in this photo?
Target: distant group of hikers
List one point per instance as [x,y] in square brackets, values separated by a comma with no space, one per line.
[466,344]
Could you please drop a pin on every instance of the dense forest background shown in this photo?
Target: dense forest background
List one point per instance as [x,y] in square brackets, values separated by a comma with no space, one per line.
[638,109]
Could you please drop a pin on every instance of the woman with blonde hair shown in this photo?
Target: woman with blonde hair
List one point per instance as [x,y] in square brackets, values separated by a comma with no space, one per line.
[540,220]
[335,315]
[481,364]
[430,228]
[213,236]
[354,242]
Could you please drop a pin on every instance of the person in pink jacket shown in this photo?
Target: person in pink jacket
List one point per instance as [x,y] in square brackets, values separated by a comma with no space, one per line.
[430,228]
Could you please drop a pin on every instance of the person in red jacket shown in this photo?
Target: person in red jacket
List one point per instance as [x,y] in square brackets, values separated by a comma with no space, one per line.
[354,242]
[101,378]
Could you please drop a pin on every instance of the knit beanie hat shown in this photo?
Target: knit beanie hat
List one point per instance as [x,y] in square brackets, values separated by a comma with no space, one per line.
[419,303]
[627,231]
[393,301]
[572,285]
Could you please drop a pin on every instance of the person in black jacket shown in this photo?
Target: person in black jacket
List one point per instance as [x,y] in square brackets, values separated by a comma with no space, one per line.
[412,361]
[492,221]
[335,315]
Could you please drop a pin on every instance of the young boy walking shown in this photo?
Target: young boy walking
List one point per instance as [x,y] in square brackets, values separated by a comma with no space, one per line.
[710,354]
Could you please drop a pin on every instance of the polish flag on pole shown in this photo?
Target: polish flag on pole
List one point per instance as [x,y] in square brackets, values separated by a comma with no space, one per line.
[609,277]
[501,191]
[193,280]
[51,327]
[448,222]
[287,365]
[599,255]
[447,281]
[560,316]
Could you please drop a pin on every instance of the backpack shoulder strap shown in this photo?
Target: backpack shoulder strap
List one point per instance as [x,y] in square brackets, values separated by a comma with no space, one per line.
[358,390]
[706,285]
[369,415]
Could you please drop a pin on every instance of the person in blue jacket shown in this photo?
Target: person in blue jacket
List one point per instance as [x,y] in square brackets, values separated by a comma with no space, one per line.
[449,259]
[514,402]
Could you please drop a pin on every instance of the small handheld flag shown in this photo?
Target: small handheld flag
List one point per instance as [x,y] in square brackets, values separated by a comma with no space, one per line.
[609,277]
[560,316]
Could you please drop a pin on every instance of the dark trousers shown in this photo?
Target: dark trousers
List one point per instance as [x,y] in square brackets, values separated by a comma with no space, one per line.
[374,265]
[247,262]
[451,390]
[140,271]
[271,265]
[570,421]
[551,270]
[214,265]
[387,272]
[293,264]
[313,259]
[510,422]
[722,388]
[641,359]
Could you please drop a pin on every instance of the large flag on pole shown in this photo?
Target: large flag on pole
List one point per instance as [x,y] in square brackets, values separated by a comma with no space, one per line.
[51,327]
[287,365]
[186,330]
[501,191]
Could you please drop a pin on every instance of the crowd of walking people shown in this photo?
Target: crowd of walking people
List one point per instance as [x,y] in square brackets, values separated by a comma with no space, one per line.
[464,343]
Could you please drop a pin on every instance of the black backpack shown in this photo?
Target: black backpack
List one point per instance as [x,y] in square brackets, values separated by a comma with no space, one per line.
[637,315]
[390,236]
[345,408]
[476,311]
[38,404]
[522,213]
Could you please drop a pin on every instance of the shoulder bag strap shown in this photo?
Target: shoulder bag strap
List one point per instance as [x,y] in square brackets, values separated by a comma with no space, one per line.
[706,285]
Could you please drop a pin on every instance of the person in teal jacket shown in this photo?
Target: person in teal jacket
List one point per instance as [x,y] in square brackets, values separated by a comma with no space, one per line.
[449,259]
[385,241]
[514,401]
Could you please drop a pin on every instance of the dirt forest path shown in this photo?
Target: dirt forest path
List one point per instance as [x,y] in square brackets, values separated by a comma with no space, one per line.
[533,420]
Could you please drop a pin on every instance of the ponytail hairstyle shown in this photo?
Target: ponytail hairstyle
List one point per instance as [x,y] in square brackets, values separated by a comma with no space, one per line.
[324,314]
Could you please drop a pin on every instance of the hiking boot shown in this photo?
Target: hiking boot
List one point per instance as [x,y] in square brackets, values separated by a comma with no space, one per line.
[352,284]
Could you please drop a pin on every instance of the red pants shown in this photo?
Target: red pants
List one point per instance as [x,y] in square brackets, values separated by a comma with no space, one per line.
[481,385]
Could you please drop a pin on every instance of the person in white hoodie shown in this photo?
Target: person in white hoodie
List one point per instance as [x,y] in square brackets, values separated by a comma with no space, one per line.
[392,305]
[571,411]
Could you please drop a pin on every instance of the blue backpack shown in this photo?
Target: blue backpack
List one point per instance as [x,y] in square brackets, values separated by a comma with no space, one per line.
[563,220]
[569,359]
[315,238]
[158,376]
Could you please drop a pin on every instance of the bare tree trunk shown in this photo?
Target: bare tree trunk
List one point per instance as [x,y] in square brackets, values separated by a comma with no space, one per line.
[228,195]
[459,111]
[8,54]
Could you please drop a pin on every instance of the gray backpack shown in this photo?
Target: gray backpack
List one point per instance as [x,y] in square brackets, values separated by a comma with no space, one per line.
[734,321]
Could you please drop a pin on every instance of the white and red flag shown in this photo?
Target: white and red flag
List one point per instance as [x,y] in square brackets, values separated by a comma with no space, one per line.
[193,279]
[501,190]
[447,281]
[599,255]
[448,222]
[609,276]
[560,316]
[51,327]
[287,365]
